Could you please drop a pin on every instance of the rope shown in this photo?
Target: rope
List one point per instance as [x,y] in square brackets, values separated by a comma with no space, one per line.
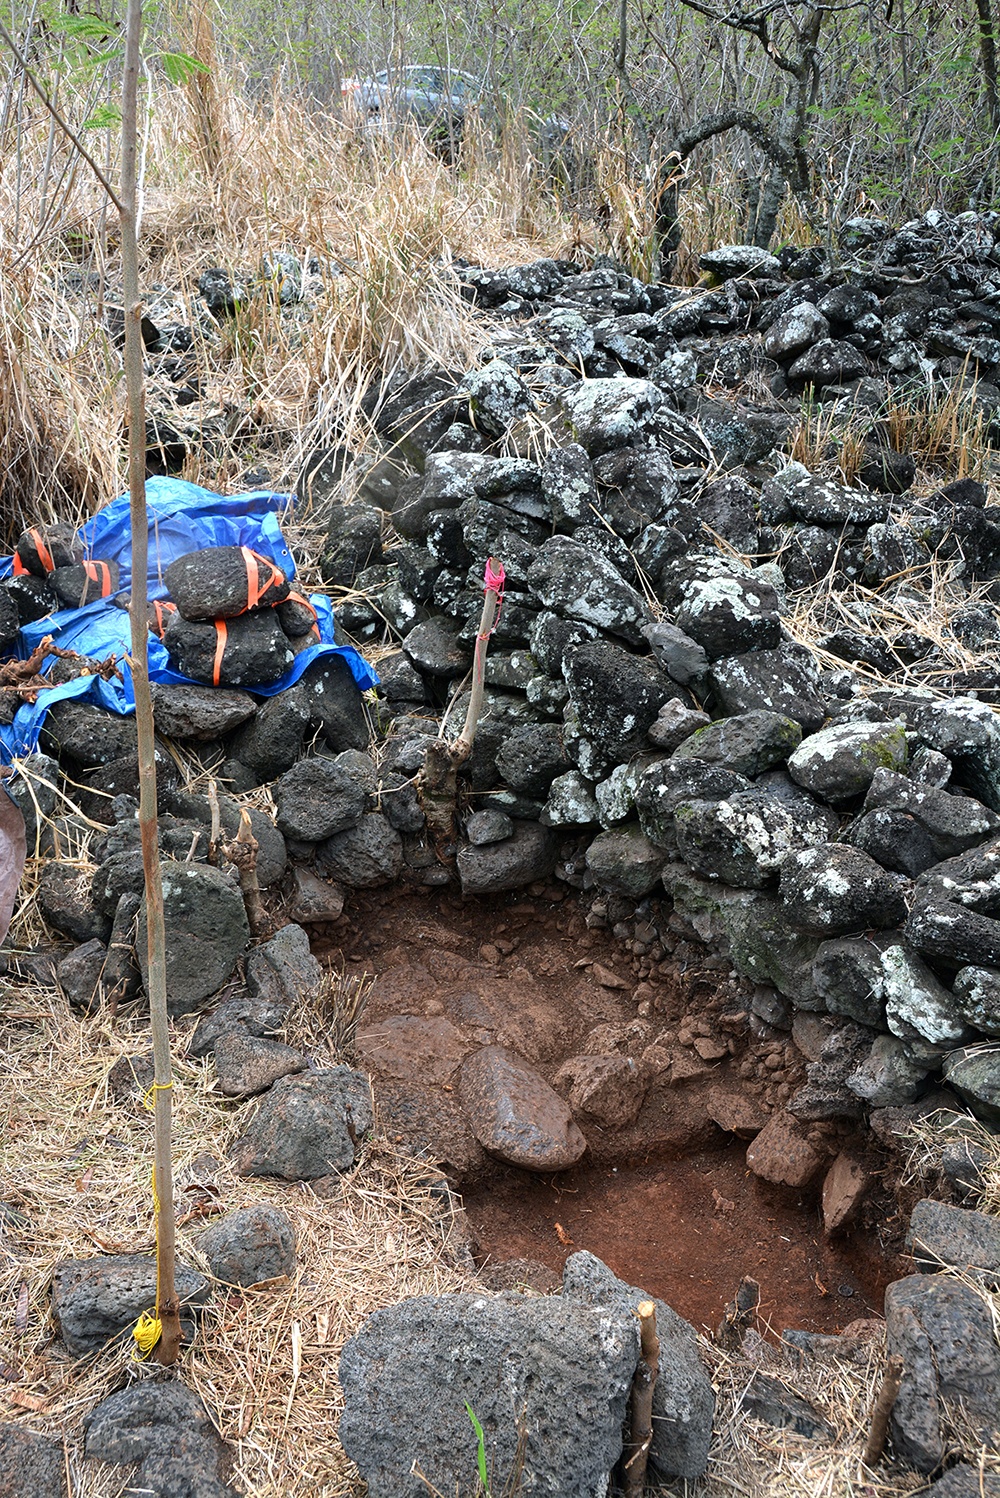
[98,572]
[253,561]
[44,555]
[149,1328]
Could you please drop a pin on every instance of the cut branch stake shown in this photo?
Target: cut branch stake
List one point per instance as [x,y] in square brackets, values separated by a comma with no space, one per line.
[643,1384]
[882,1410]
[167,1307]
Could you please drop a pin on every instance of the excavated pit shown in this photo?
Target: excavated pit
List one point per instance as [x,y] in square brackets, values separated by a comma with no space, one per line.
[667,1200]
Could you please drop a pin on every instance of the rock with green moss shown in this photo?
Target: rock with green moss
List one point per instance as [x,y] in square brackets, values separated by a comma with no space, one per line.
[748,743]
[839,763]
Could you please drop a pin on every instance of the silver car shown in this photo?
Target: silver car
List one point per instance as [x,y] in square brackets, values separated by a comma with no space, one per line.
[433,96]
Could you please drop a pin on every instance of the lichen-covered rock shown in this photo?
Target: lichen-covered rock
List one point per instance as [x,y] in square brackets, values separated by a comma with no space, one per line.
[729,615]
[802,325]
[839,763]
[571,802]
[975,1075]
[615,698]
[917,1002]
[744,838]
[784,680]
[830,361]
[911,828]
[607,413]
[748,743]
[582,584]
[661,787]
[832,889]
[976,994]
[497,395]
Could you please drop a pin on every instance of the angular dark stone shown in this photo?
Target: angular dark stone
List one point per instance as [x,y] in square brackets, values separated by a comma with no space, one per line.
[308,1126]
[335,704]
[30,1465]
[368,854]
[207,933]
[833,889]
[255,651]
[516,1115]
[66,901]
[730,615]
[943,1236]
[189,712]
[559,1371]
[662,787]
[166,1429]
[531,758]
[683,1400]
[784,680]
[84,582]
[317,798]
[353,542]
[45,547]
[529,854]
[87,733]
[250,1245]
[221,582]
[748,743]
[583,584]
[248,1064]
[615,698]
[745,839]
[96,1300]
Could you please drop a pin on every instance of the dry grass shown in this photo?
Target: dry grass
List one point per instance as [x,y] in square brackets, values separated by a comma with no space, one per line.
[76,1167]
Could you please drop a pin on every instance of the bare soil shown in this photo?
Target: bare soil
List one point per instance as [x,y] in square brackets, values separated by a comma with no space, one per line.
[667,1202]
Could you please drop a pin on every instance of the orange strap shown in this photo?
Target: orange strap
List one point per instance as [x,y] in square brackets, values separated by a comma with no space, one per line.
[253,562]
[99,572]
[44,555]
[18,569]
[162,607]
[220,650]
[301,598]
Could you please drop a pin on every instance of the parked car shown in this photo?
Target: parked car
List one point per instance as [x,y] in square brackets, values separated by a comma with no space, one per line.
[435,97]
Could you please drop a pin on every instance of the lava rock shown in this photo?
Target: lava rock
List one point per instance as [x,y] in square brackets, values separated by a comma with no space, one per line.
[729,615]
[516,1115]
[739,260]
[683,1401]
[569,486]
[353,542]
[334,703]
[362,856]
[308,1126]
[910,828]
[784,680]
[728,507]
[189,712]
[943,1332]
[675,724]
[283,971]
[531,758]
[767,1399]
[825,502]
[80,975]
[976,996]
[580,583]
[795,330]
[608,413]
[748,743]
[528,855]
[435,649]
[782,1154]
[625,862]
[558,1371]
[830,361]
[745,838]
[97,1300]
[488,826]
[248,1064]
[609,1089]
[254,650]
[945,929]
[975,1076]
[43,548]
[33,597]
[66,902]
[84,582]
[30,1464]
[207,933]
[832,889]
[615,698]
[220,582]
[847,974]
[270,743]
[839,763]
[664,785]
[89,734]
[166,1430]
[943,1236]
[683,659]
[317,798]
[249,1246]
[497,395]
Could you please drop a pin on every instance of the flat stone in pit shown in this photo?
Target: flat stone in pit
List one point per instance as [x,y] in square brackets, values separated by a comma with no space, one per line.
[515,1114]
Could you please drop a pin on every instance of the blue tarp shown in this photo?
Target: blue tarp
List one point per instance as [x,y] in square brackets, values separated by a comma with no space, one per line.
[182,518]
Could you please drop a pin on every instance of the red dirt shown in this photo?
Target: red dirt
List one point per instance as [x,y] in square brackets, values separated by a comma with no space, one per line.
[688,1231]
[667,1202]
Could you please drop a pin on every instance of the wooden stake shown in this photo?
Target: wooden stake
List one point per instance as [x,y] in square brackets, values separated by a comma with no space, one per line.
[242,852]
[168,1308]
[887,1395]
[643,1384]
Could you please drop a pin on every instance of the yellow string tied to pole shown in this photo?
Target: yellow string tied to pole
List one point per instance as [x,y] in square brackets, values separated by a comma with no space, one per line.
[148,1329]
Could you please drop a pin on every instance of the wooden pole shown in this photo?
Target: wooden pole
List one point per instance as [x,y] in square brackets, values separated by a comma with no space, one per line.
[643,1384]
[167,1307]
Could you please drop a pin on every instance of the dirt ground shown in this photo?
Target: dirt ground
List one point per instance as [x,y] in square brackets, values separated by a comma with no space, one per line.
[667,1202]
